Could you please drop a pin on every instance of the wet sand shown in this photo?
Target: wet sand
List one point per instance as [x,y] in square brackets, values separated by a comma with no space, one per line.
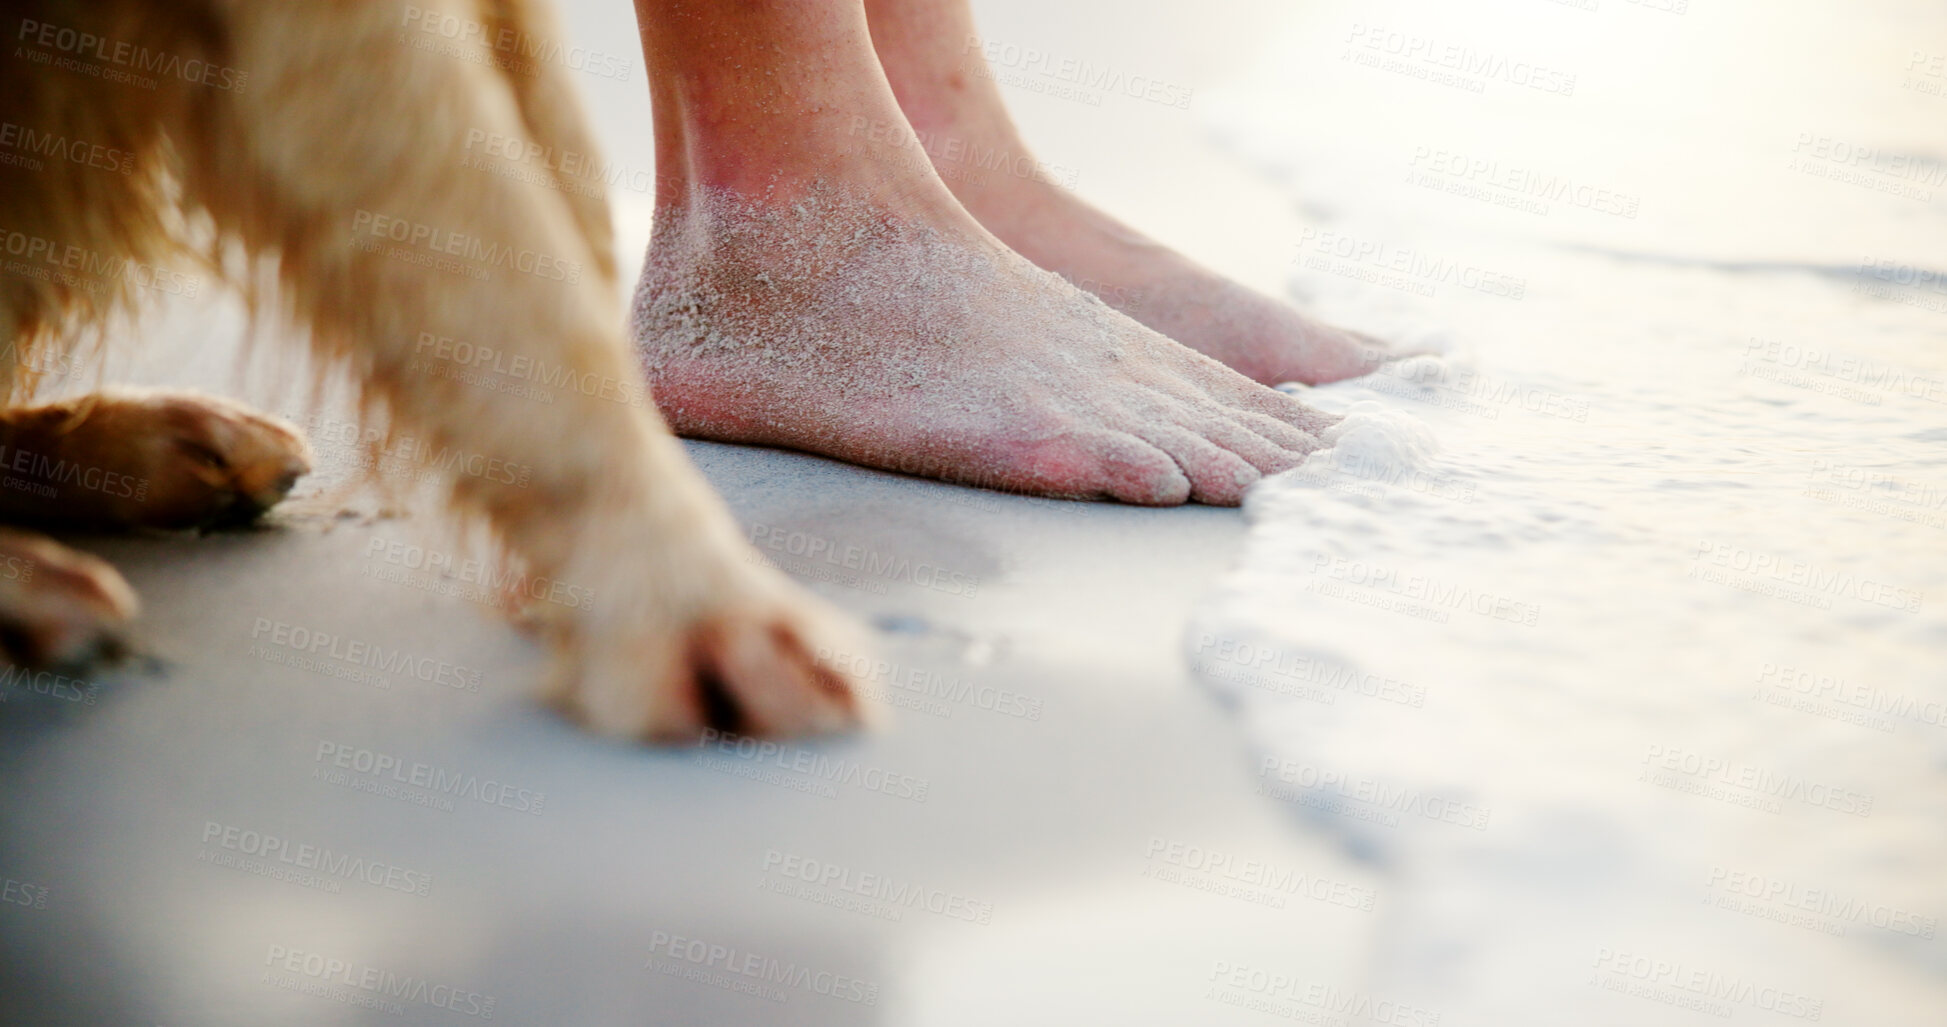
[1056,824]
[1025,819]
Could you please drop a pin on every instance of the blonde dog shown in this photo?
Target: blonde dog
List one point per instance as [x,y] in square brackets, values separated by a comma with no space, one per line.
[308,151]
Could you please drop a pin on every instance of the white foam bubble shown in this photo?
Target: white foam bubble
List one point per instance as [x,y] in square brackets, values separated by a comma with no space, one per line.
[1376,436]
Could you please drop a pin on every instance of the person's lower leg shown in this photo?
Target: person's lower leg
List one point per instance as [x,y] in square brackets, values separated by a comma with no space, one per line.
[812,283]
[933,59]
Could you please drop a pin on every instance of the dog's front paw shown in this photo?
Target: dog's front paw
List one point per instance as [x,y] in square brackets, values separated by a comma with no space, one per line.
[772,663]
[58,607]
[152,459]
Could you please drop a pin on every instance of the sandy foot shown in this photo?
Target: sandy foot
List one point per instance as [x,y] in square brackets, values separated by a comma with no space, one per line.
[907,341]
[1262,338]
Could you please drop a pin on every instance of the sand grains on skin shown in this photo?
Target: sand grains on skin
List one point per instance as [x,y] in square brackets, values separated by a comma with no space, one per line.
[842,326]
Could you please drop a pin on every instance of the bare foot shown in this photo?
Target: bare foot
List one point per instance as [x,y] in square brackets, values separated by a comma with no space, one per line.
[1262,338]
[894,332]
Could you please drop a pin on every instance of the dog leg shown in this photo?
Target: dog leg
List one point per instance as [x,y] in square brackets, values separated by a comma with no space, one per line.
[341,159]
[552,115]
[58,607]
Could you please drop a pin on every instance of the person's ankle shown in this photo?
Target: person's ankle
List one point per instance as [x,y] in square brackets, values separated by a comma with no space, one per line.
[900,190]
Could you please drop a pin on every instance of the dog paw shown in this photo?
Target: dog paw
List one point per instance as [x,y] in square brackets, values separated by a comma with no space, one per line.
[153,459]
[58,607]
[772,665]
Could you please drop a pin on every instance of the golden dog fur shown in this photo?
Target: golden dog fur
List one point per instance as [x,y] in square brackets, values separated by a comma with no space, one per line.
[308,152]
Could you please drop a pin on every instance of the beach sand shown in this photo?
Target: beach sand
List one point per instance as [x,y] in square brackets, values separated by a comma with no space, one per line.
[1055,824]
[1035,814]
[325,795]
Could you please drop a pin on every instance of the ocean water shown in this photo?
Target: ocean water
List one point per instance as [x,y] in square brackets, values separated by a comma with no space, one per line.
[1614,634]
